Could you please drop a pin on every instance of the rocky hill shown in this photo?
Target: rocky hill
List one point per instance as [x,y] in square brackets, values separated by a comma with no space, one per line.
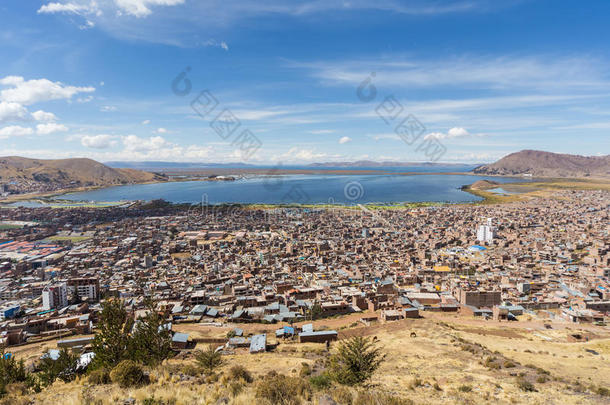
[547,164]
[68,173]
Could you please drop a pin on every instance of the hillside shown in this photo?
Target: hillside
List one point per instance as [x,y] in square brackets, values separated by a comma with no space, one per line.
[547,164]
[68,173]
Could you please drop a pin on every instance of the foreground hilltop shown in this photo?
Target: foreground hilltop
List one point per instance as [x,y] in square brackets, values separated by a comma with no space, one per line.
[547,164]
[25,174]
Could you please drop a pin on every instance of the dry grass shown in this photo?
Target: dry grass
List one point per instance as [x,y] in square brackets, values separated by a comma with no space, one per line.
[446,363]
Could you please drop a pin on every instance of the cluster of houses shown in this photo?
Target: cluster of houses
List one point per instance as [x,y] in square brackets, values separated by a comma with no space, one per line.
[547,258]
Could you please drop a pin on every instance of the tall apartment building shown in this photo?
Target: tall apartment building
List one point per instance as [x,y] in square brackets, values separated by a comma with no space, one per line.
[55,296]
[85,287]
[485,233]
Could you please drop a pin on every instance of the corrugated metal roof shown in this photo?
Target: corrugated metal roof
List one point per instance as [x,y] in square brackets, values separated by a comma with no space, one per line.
[258,343]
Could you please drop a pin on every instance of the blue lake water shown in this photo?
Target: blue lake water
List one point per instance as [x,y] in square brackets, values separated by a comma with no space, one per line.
[302,189]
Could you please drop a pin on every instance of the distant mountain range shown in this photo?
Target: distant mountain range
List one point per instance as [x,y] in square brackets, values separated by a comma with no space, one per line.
[371,163]
[547,164]
[69,172]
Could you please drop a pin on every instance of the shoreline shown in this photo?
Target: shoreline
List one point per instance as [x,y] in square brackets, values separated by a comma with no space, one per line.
[524,189]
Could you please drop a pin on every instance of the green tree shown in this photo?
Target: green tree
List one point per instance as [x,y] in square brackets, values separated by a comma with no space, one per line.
[356,360]
[11,371]
[64,368]
[151,340]
[209,359]
[315,311]
[112,339]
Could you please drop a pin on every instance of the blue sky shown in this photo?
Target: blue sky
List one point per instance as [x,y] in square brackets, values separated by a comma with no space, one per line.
[84,78]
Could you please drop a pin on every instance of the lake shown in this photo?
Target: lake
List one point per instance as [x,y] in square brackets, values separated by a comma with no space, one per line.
[299,189]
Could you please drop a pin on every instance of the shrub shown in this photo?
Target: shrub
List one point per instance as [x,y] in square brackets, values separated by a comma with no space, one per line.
[150,343]
[191,370]
[282,390]
[128,374]
[64,368]
[603,391]
[356,360]
[464,388]
[525,385]
[236,387]
[11,371]
[320,382]
[240,373]
[305,370]
[509,364]
[99,376]
[542,379]
[209,359]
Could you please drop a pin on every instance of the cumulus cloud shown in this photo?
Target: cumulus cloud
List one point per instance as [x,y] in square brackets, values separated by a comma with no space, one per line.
[345,139]
[455,132]
[145,122]
[14,130]
[28,92]
[161,131]
[138,144]
[108,108]
[141,8]
[98,141]
[70,8]
[43,116]
[50,128]
[12,111]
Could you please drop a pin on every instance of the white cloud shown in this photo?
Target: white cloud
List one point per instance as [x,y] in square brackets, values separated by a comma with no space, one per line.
[141,8]
[108,108]
[43,116]
[70,8]
[455,132]
[345,139]
[50,128]
[386,136]
[161,131]
[98,141]
[84,99]
[12,111]
[14,130]
[145,122]
[137,144]
[38,90]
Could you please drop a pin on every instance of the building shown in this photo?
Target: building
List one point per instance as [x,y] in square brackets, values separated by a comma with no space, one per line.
[9,311]
[485,233]
[480,299]
[55,296]
[85,287]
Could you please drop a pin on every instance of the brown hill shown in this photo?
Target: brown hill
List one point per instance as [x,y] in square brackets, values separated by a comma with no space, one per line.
[69,172]
[547,164]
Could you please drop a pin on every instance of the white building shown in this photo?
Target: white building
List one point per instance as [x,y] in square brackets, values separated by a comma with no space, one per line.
[485,233]
[55,296]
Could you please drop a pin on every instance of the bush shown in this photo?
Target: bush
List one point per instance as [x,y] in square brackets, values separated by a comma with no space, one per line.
[542,379]
[320,382]
[356,360]
[128,374]
[464,388]
[281,390]
[525,385]
[64,368]
[603,391]
[99,377]
[509,364]
[240,373]
[209,359]
[305,370]
[11,371]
